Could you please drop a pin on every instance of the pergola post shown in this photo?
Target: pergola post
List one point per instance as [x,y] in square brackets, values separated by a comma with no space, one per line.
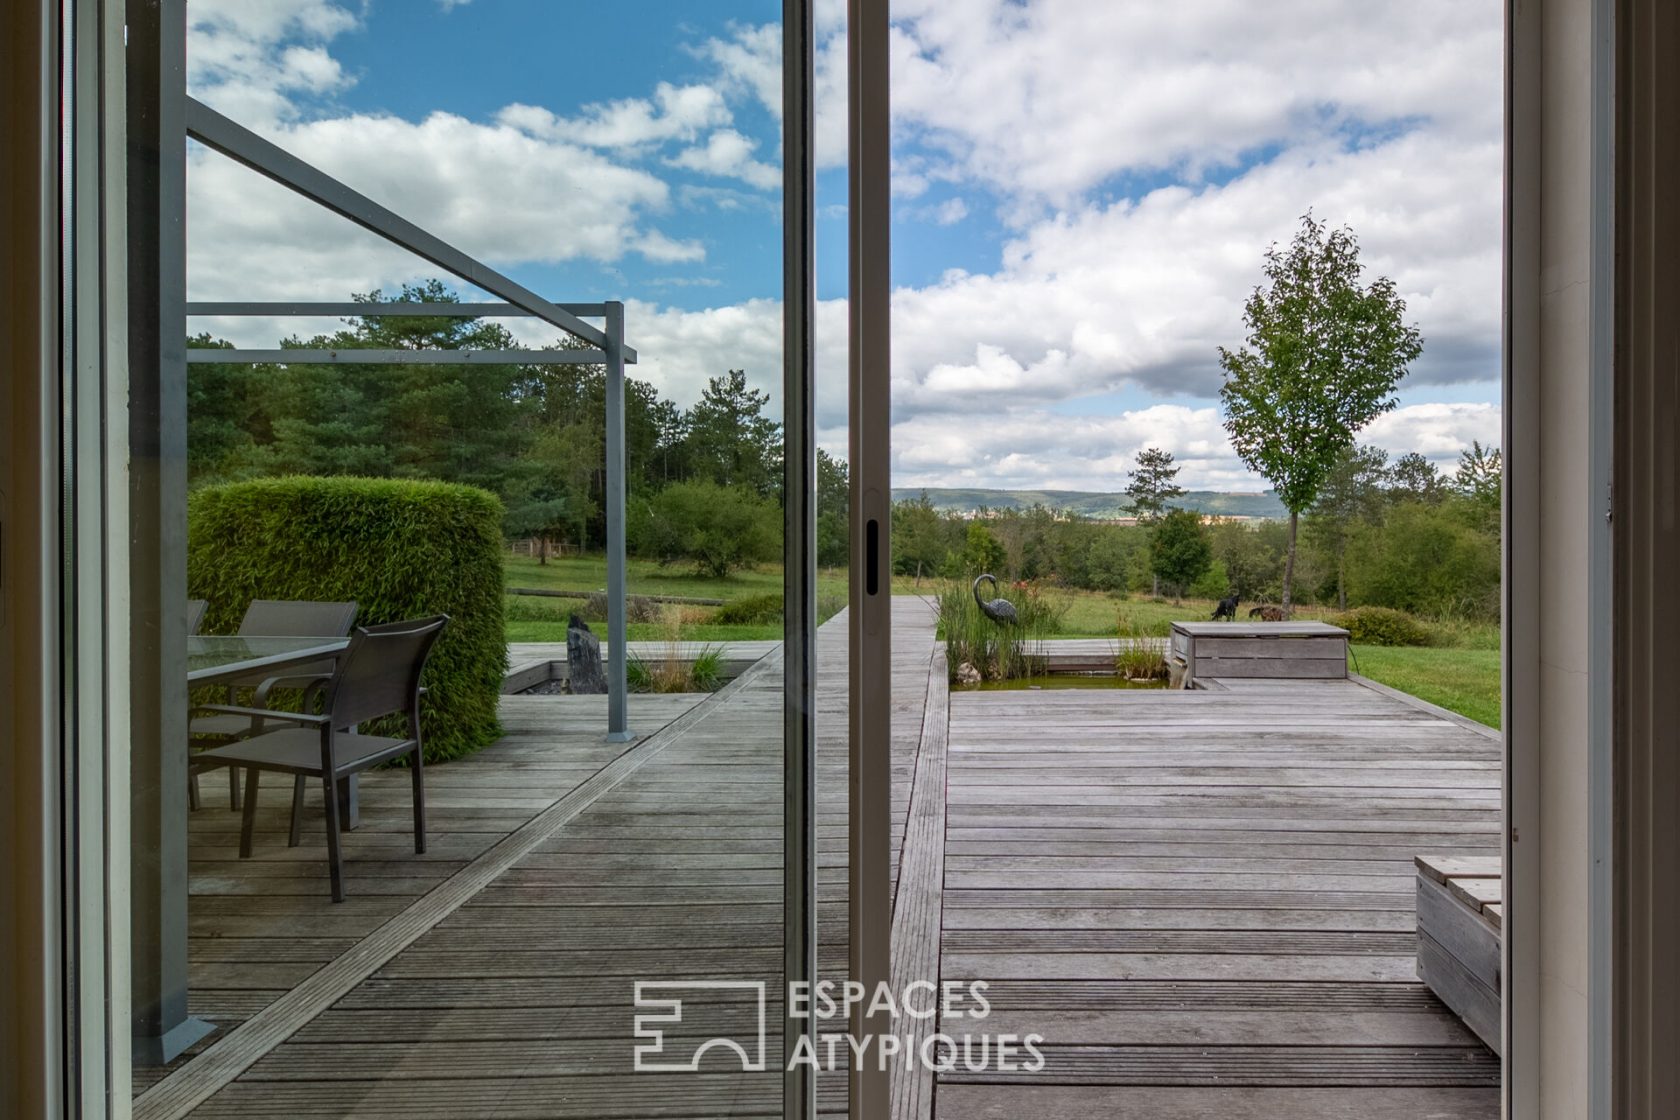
[617,666]
[157,501]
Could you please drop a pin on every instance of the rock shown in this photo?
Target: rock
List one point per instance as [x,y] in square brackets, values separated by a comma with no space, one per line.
[967,674]
[583,659]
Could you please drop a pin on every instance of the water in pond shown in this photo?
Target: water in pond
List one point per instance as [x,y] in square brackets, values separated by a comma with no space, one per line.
[1056,680]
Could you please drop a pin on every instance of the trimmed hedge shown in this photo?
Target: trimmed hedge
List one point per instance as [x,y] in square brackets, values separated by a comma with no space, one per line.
[400,549]
[750,610]
[1382,626]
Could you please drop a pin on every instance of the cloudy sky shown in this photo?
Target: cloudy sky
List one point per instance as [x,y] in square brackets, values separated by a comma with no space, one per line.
[1083,195]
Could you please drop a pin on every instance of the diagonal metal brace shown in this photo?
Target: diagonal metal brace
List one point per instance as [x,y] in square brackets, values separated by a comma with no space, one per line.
[240,144]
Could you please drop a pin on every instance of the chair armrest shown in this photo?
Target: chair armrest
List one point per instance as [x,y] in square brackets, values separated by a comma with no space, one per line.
[263,713]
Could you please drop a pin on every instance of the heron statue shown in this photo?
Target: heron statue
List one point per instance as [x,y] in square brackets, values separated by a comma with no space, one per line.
[1000,611]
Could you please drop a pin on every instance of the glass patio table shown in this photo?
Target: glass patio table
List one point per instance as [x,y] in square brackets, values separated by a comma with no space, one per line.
[214,659]
[217,660]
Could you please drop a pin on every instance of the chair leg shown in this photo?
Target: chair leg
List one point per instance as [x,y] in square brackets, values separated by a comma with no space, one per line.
[419,776]
[233,787]
[296,837]
[194,801]
[250,822]
[335,854]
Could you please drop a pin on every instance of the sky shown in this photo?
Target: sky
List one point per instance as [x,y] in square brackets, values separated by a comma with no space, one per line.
[1083,194]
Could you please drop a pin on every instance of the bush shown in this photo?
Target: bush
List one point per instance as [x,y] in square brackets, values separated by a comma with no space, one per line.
[1382,626]
[750,610]
[400,549]
[717,528]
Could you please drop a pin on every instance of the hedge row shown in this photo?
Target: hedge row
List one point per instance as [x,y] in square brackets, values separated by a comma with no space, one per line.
[400,549]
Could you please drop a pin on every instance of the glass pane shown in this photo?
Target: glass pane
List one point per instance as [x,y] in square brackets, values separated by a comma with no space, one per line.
[484,314]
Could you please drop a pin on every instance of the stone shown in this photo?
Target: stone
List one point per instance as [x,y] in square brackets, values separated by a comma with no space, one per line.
[583,659]
[967,674]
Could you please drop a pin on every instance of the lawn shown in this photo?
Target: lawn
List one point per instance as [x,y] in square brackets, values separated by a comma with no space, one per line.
[1465,681]
[1460,671]
[538,619]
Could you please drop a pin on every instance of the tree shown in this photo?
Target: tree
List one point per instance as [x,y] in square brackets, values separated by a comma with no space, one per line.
[1152,487]
[833,503]
[1352,493]
[1179,552]
[1415,478]
[1480,481]
[717,528]
[1323,356]
[982,551]
[730,441]
[921,538]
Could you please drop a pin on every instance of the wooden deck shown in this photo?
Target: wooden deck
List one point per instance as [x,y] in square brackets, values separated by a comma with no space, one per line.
[1202,900]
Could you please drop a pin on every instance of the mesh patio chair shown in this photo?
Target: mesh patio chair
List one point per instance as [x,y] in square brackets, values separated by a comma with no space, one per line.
[195,614]
[212,725]
[377,675]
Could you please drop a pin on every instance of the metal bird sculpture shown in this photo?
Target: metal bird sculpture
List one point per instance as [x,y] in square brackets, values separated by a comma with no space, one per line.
[1000,611]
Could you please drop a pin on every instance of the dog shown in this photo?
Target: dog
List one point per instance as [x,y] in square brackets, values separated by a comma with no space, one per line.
[1227,609]
[1268,614]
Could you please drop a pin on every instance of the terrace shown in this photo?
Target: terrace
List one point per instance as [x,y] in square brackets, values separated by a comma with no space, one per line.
[1202,899]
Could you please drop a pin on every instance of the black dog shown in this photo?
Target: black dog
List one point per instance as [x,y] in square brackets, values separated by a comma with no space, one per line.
[1227,609]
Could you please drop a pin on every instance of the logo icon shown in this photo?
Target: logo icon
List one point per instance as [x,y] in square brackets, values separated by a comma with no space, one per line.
[659,1007]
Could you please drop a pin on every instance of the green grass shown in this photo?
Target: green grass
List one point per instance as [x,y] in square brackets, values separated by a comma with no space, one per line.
[1459,670]
[1465,681]
[537,619]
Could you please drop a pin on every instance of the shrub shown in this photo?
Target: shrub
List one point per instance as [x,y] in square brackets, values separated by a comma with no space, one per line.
[717,528]
[1382,626]
[400,549]
[750,610]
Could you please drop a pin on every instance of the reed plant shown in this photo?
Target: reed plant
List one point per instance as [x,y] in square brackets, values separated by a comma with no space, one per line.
[997,651]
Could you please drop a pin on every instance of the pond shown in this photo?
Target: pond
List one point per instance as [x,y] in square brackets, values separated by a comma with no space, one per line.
[1057,680]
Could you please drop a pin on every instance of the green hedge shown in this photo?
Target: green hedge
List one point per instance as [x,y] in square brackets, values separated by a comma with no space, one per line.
[400,549]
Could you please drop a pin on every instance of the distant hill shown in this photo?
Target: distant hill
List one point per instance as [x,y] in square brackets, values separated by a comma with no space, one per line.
[1089,503]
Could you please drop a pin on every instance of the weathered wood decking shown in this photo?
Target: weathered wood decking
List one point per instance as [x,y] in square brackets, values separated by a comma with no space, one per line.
[1202,900]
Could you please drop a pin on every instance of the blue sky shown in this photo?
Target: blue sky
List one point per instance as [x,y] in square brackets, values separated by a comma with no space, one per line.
[1083,194]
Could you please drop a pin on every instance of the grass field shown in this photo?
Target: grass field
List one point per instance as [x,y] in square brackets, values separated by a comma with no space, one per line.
[1465,681]
[537,619]
[1459,670]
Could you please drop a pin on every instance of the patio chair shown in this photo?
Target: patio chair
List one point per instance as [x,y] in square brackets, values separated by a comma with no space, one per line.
[377,675]
[213,725]
[195,614]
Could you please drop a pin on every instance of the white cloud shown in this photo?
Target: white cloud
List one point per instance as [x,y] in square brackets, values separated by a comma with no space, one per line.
[728,154]
[1051,97]
[673,113]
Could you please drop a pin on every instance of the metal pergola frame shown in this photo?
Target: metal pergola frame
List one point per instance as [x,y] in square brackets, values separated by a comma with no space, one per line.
[233,140]
[162,115]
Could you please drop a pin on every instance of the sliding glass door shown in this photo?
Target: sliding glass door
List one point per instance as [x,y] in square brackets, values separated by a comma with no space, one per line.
[469,706]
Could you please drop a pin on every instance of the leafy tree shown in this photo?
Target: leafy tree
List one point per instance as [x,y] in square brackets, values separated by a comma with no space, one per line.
[1323,356]
[982,551]
[921,538]
[729,439]
[833,503]
[1179,553]
[717,528]
[1415,478]
[1110,561]
[1352,493]
[224,411]
[1480,481]
[1153,488]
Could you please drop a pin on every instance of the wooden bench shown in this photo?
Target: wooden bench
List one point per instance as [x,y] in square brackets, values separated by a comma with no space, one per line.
[1280,650]
[1460,918]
